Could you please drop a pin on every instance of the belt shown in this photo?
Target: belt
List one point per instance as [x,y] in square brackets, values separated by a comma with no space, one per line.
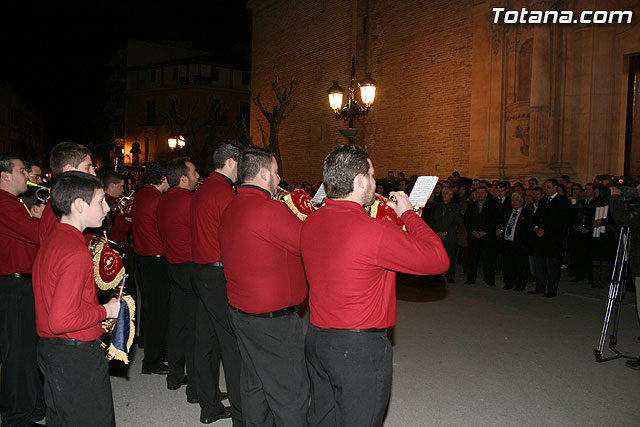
[371,330]
[270,314]
[215,264]
[18,275]
[66,341]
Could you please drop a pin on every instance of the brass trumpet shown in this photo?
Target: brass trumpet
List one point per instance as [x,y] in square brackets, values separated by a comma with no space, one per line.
[40,189]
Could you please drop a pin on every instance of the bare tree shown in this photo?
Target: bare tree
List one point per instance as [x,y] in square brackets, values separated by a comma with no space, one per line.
[188,124]
[276,115]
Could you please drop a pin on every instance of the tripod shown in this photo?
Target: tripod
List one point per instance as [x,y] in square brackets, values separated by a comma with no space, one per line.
[616,291]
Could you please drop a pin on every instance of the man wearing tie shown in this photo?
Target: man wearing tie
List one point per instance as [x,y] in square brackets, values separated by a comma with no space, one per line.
[516,234]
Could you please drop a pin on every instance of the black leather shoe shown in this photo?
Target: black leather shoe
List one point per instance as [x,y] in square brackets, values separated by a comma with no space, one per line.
[490,284]
[506,287]
[536,292]
[193,400]
[469,283]
[452,281]
[550,295]
[160,370]
[577,279]
[174,387]
[226,413]
[633,364]
[518,289]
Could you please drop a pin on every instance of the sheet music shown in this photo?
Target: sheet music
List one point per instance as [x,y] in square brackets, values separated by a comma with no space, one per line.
[422,190]
[320,195]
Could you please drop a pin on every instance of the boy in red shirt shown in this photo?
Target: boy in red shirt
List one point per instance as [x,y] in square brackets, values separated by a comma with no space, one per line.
[68,317]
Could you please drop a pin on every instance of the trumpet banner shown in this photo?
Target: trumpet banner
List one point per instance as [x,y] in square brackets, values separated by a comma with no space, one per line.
[123,332]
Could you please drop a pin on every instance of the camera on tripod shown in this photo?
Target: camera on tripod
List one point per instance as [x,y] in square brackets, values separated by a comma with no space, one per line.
[627,185]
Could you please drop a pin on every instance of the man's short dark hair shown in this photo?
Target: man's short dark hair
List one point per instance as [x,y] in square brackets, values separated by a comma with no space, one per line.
[30,164]
[71,186]
[565,178]
[30,199]
[537,189]
[481,187]
[176,169]
[227,150]
[504,184]
[109,177]
[553,181]
[405,180]
[341,166]
[533,179]
[588,184]
[251,161]
[155,172]
[6,162]
[67,153]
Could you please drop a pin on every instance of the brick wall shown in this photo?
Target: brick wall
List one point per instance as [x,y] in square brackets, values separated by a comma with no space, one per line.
[418,51]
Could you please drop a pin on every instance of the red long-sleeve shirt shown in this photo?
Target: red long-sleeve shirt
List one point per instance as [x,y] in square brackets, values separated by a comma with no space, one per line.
[18,235]
[48,221]
[119,226]
[260,243]
[209,202]
[174,224]
[64,288]
[146,236]
[350,260]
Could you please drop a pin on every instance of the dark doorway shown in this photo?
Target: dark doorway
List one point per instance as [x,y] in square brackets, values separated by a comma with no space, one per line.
[632,134]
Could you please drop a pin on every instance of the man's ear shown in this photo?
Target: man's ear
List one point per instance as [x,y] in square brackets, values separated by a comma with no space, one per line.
[230,163]
[264,174]
[359,181]
[78,205]
[184,180]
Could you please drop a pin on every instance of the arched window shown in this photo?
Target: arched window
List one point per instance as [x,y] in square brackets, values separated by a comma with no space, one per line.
[524,71]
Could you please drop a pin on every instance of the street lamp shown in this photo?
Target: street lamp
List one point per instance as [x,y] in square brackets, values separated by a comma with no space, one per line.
[353,108]
[176,142]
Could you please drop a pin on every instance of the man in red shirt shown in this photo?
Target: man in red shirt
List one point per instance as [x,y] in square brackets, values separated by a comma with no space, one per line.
[20,388]
[151,267]
[118,226]
[174,224]
[213,331]
[260,244]
[64,157]
[350,261]
[68,316]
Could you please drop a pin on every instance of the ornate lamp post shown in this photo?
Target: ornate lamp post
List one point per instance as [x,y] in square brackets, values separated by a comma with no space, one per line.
[353,107]
[176,142]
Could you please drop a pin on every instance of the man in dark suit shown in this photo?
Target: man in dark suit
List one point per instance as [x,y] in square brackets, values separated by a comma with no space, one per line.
[516,232]
[585,212]
[480,220]
[444,221]
[551,224]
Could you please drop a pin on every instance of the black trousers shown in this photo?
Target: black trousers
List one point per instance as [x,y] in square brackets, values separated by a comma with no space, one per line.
[515,269]
[547,273]
[215,338]
[582,248]
[152,274]
[181,329]
[77,388]
[21,393]
[483,249]
[350,376]
[273,378]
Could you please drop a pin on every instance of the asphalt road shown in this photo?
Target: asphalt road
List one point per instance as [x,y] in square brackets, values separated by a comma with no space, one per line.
[470,355]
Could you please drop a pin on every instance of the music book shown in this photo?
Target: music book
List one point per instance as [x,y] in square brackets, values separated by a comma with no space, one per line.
[320,195]
[422,190]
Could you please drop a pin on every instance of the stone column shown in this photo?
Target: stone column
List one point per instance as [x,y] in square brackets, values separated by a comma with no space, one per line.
[540,97]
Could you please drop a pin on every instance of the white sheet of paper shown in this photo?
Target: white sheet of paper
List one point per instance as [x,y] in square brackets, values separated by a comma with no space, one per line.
[320,195]
[422,190]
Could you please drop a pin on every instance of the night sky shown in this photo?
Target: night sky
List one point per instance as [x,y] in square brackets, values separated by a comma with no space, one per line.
[57,56]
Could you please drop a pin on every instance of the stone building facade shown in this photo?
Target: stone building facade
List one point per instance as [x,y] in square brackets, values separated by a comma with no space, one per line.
[456,91]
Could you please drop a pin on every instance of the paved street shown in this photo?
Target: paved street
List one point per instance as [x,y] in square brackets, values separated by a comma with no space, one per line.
[471,356]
